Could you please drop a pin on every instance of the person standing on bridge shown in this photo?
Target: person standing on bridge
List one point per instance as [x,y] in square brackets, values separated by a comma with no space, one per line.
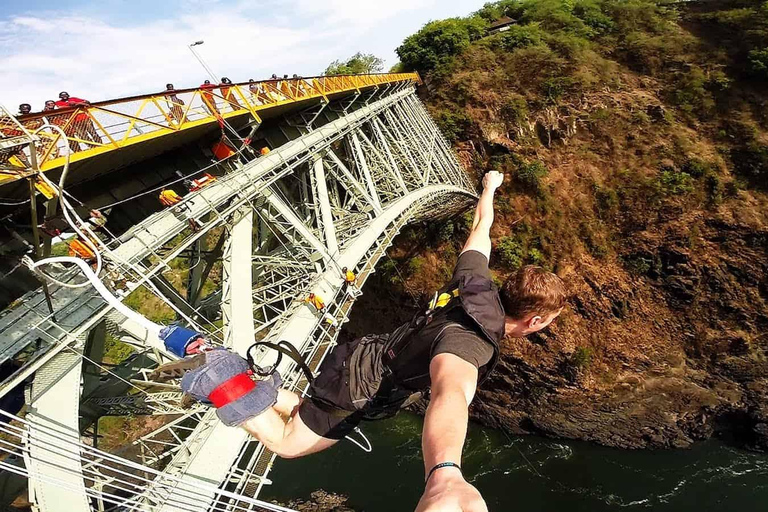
[448,349]
[206,92]
[226,91]
[175,104]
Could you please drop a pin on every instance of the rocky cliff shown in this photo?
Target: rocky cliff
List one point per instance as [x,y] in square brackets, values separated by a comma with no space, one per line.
[634,138]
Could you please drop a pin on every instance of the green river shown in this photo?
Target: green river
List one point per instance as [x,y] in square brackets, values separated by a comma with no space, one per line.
[531,474]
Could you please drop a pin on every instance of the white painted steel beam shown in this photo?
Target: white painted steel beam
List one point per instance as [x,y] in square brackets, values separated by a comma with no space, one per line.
[55,402]
[360,158]
[324,204]
[237,300]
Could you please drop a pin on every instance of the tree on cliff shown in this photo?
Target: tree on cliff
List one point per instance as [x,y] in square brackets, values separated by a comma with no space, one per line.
[358,64]
[438,42]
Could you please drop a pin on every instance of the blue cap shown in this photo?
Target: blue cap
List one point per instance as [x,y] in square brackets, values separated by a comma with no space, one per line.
[177,339]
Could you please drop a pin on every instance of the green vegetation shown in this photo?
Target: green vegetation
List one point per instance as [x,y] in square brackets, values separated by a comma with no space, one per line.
[582,357]
[358,64]
[607,117]
[674,183]
[115,351]
[434,45]
[530,175]
[415,265]
[511,252]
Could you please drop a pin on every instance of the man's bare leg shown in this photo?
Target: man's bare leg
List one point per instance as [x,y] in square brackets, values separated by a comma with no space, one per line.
[288,440]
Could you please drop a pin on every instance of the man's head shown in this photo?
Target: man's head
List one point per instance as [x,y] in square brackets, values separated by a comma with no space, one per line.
[207,82]
[64,95]
[532,299]
[50,105]
[169,87]
[25,108]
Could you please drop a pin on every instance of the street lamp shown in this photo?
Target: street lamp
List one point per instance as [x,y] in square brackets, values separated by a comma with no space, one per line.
[200,59]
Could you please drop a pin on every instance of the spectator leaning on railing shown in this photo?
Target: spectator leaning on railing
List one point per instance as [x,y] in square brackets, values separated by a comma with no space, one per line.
[207,94]
[82,126]
[226,91]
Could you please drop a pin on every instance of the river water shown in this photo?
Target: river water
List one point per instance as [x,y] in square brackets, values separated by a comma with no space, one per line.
[531,474]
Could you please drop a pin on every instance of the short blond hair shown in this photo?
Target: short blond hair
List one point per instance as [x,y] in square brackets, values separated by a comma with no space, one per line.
[532,290]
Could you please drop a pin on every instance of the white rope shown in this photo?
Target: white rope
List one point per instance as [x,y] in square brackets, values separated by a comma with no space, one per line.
[94,281]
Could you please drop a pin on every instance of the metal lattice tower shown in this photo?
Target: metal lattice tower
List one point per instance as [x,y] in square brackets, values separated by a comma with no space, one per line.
[335,195]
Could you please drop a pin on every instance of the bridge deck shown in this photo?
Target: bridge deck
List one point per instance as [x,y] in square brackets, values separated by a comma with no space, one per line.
[102,128]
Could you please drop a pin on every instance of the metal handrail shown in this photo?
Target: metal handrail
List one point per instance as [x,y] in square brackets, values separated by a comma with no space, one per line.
[109,125]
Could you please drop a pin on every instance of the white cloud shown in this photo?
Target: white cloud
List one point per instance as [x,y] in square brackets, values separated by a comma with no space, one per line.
[90,57]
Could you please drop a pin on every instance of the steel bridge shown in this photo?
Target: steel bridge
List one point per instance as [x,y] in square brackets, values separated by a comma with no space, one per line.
[353,167]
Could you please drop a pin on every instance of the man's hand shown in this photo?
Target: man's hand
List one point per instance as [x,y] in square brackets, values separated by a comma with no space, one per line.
[492,180]
[447,491]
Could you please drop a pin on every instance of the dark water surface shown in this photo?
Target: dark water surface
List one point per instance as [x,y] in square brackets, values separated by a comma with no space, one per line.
[532,474]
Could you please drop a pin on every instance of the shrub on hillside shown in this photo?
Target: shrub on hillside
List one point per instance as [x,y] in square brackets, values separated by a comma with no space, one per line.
[714,189]
[691,93]
[522,36]
[514,110]
[437,42]
[582,357]
[758,63]
[751,163]
[511,252]
[455,124]
[591,13]
[670,182]
[695,167]
[530,175]
[415,265]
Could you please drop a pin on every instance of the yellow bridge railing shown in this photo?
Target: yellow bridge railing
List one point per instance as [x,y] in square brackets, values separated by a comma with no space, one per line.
[106,126]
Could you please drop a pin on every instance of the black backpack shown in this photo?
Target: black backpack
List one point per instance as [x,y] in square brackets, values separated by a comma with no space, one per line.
[408,354]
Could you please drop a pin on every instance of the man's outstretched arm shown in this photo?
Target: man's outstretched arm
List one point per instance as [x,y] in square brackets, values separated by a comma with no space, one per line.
[480,237]
[445,429]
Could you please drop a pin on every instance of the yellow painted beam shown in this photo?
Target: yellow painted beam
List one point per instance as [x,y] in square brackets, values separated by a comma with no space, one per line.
[126,122]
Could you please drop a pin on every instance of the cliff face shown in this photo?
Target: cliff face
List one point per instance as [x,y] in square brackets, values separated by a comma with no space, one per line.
[636,154]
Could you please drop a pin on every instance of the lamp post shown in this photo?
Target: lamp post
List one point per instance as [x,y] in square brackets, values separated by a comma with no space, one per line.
[200,59]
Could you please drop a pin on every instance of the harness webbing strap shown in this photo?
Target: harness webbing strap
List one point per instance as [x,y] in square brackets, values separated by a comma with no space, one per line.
[281,347]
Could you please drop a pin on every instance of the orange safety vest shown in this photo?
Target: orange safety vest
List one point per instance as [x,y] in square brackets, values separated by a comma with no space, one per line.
[79,249]
[264,151]
[316,301]
[169,197]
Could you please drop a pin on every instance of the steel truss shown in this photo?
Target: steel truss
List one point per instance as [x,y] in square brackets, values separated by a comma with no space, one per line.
[335,196]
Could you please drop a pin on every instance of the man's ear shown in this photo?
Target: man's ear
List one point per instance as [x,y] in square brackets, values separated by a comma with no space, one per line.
[533,321]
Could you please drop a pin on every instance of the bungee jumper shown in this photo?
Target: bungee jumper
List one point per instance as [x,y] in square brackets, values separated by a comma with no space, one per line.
[446,350]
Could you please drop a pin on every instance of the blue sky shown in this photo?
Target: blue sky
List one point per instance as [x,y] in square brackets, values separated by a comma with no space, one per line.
[102,49]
